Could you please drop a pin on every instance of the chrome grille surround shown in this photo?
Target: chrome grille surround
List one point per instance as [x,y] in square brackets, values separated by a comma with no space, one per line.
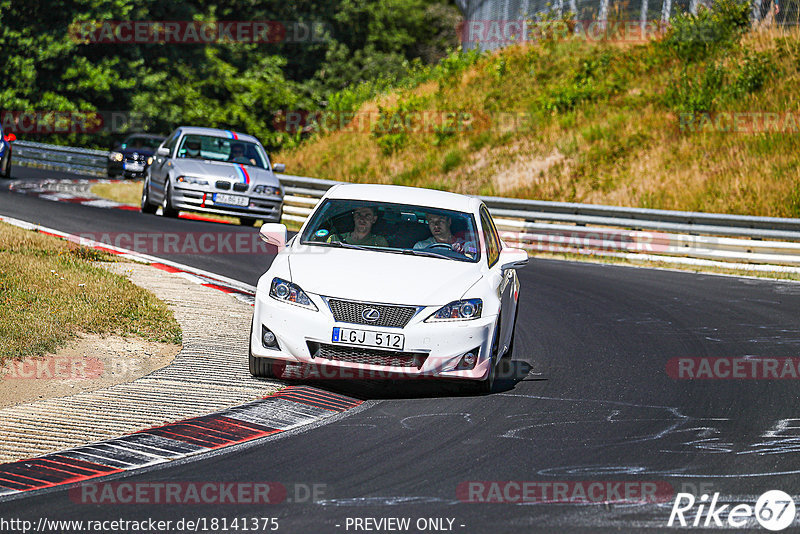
[351,311]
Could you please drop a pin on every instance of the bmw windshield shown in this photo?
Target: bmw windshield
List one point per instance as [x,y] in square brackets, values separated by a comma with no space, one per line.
[208,147]
[394,228]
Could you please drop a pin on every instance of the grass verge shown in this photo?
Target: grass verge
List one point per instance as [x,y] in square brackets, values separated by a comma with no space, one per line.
[129,193]
[50,291]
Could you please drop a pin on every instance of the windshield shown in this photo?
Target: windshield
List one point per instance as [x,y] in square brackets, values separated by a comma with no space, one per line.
[394,228]
[140,141]
[222,149]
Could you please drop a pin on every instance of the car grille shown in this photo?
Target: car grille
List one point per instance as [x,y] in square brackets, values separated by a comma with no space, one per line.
[367,356]
[240,187]
[221,184]
[348,311]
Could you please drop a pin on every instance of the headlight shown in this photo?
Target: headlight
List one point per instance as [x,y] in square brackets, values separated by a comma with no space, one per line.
[291,293]
[267,190]
[150,160]
[460,310]
[191,180]
[115,156]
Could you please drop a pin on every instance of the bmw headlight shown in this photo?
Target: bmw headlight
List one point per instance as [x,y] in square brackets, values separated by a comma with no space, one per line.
[291,293]
[191,180]
[267,190]
[115,156]
[459,310]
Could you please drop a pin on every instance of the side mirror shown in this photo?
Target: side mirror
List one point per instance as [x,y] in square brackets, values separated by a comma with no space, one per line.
[11,138]
[513,258]
[274,234]
[163,151]
[278,167]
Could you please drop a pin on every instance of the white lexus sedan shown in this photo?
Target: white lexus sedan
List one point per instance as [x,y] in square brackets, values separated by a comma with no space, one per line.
[388,281]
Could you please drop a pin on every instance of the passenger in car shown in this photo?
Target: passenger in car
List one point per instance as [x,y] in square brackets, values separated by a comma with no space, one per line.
[440,227]
[363,220]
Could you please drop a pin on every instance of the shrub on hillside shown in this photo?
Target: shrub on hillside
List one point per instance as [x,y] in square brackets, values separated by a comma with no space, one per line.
[694,37]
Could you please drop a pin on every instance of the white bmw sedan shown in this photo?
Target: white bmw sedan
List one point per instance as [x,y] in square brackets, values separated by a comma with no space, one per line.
[388,281]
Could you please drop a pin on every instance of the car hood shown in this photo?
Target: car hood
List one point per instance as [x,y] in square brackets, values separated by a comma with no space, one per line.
[380,276]
[221,170]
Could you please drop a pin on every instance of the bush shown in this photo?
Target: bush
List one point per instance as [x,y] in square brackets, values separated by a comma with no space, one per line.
[391,130]
[694,37]
[702,93]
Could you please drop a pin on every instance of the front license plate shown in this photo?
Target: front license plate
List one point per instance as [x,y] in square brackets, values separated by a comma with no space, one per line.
[231,200]
[135,167]
[368,338]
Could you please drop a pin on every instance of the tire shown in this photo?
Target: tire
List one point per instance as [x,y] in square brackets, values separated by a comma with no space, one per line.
[146,205]
[265,367]
[486,386]
[7,170]
[166,205]
[247,221]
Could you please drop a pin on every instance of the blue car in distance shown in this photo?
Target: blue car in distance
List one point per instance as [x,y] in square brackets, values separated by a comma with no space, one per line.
[131,158]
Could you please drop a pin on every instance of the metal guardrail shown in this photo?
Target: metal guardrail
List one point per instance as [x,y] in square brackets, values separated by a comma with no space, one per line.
[611,230]
[65,158]
[541,225]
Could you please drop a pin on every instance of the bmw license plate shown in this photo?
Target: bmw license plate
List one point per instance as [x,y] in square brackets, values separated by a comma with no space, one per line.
[131,166]
[231,200]
[367,338]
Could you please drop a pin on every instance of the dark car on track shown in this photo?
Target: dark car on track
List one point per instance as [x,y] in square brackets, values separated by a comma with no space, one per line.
[131,158]
[5,153]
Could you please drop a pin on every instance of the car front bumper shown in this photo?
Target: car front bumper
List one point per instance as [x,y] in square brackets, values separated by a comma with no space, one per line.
[266,208]
[440,345]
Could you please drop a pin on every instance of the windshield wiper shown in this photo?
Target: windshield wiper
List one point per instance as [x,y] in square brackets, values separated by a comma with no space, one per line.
[341,245]
[417,252]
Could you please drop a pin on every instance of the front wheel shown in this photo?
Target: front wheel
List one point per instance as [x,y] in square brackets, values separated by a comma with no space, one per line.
[265,367]
[146,205]
[485,387]
[166,205]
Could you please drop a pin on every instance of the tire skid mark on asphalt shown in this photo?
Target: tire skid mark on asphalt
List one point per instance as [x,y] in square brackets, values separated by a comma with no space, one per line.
[284,410]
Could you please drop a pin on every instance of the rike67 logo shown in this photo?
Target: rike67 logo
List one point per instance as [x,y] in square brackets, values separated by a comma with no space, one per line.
[774,510]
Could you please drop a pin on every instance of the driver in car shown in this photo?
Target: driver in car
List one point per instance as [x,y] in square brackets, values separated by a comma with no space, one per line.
[191,148]
[363,219]
[237,155]
[439,225]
